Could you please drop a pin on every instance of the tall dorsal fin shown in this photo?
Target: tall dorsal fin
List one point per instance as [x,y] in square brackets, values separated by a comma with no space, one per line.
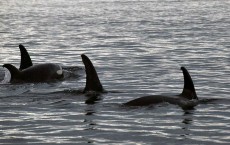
[14,72]
[189,91]
[25,58]
[92,81]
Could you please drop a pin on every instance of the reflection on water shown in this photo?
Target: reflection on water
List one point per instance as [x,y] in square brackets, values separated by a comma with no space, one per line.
[137,48]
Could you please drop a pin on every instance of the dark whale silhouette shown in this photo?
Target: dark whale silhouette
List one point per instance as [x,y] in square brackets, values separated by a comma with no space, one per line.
[187,99]
[93,87]
[36,73]
[25,58]
[28,72]
[92,80]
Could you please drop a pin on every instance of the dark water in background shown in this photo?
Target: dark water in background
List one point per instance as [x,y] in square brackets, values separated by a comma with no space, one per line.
[137,48]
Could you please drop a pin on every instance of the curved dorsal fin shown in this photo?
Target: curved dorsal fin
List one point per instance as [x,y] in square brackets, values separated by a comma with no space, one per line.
[25,58]
[92,81]
[14,72]
[189,91]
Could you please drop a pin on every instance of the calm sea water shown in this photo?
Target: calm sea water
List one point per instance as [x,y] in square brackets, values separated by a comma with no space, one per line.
[137,48]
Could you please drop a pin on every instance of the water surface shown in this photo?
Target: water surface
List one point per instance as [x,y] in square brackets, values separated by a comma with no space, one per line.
[138,48]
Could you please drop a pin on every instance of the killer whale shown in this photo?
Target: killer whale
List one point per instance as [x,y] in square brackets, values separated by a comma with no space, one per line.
[28,72]
[93,83]
[187,99]
[25,58]
[93,87]
[35,74]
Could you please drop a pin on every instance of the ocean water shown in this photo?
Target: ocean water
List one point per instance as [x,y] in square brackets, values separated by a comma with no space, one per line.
[137,48]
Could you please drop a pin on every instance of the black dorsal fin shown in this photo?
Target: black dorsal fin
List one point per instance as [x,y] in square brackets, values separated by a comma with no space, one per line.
[14,72]
[25,58]
[92,81]
[189,91]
